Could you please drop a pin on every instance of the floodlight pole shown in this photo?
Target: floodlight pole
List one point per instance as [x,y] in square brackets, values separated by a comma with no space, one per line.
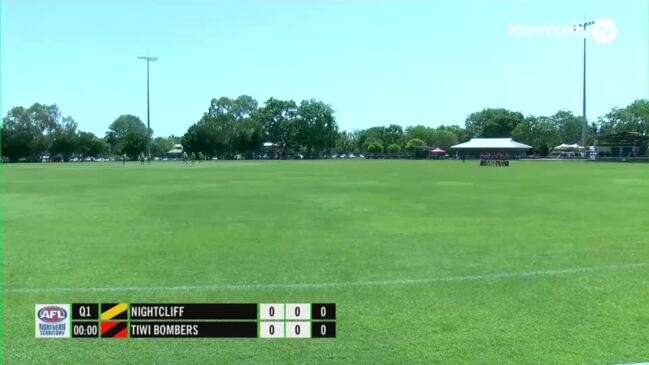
[584,123]
[148,108]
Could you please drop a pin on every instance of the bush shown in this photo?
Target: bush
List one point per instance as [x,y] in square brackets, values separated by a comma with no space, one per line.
[374,147]
[394,148]
[415,144]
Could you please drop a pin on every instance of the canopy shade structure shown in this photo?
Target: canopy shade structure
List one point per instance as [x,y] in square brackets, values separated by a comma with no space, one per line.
[563,147]
[437,150]
[177,150]
[491,144]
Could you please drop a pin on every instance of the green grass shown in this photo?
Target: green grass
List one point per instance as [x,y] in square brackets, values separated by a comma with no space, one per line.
[105,225]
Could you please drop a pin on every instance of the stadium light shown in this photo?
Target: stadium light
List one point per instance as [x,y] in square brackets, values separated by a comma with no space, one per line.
[148,108]
[584,125]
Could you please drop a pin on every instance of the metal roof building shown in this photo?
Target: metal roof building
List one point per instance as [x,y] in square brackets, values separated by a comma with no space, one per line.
[491,144]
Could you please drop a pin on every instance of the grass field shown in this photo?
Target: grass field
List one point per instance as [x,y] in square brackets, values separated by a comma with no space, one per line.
[427,262]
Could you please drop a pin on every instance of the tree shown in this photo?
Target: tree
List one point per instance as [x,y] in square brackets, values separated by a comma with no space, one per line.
[392,134]
[230,125]
[420,132]
[127,135]
[243,107]
[461,133]
[366,136]
[443,138]
[64,139]
[375,147]
[415,144]
[375,134]
[161,145]
[539,132]
[278,121]
[632,118]
[27,133]
[240,108]
[346,142]
[394,148]
[19,135]
[90,145]
[220,106]
[316,126]
[568,126]
[45,117]
[491,123]
[247,135]
[212,135]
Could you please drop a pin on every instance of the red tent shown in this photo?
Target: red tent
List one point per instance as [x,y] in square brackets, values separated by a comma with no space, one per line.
[437,150]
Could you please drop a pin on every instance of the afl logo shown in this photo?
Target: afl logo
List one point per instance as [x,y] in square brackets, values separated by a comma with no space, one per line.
[52,314]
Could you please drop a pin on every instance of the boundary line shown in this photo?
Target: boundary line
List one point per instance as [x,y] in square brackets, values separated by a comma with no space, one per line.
[494,276]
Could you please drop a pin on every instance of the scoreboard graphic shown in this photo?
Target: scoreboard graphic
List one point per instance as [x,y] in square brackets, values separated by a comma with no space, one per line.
[188,320]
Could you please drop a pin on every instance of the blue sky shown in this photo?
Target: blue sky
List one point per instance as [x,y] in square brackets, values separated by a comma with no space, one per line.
[375,62]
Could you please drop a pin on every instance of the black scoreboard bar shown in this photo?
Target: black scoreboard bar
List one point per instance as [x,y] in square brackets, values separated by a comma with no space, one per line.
[193,311]
[83,311]
[186,320]
[239,329]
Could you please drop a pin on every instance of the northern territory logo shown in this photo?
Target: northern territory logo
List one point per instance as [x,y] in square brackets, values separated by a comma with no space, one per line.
[52,320]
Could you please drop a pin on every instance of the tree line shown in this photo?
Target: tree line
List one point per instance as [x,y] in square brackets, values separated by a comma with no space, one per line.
[239,125]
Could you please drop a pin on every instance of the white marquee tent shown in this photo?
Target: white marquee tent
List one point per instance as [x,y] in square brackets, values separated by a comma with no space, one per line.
[563,147]
[491,144]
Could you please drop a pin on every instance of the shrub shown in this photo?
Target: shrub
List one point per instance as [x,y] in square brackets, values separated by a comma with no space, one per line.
[415,144]
[394,148]
[374,147]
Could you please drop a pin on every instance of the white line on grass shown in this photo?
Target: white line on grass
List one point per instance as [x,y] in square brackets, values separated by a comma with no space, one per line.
[494,276]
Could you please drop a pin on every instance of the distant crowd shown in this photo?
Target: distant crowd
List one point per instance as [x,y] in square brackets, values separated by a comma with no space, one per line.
[494,159]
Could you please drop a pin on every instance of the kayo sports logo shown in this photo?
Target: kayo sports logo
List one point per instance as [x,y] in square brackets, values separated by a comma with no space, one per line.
[602,30]
[52,314]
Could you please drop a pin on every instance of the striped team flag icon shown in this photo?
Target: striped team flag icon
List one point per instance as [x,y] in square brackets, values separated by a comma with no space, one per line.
[111,326]
[111,311]
[114,329]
